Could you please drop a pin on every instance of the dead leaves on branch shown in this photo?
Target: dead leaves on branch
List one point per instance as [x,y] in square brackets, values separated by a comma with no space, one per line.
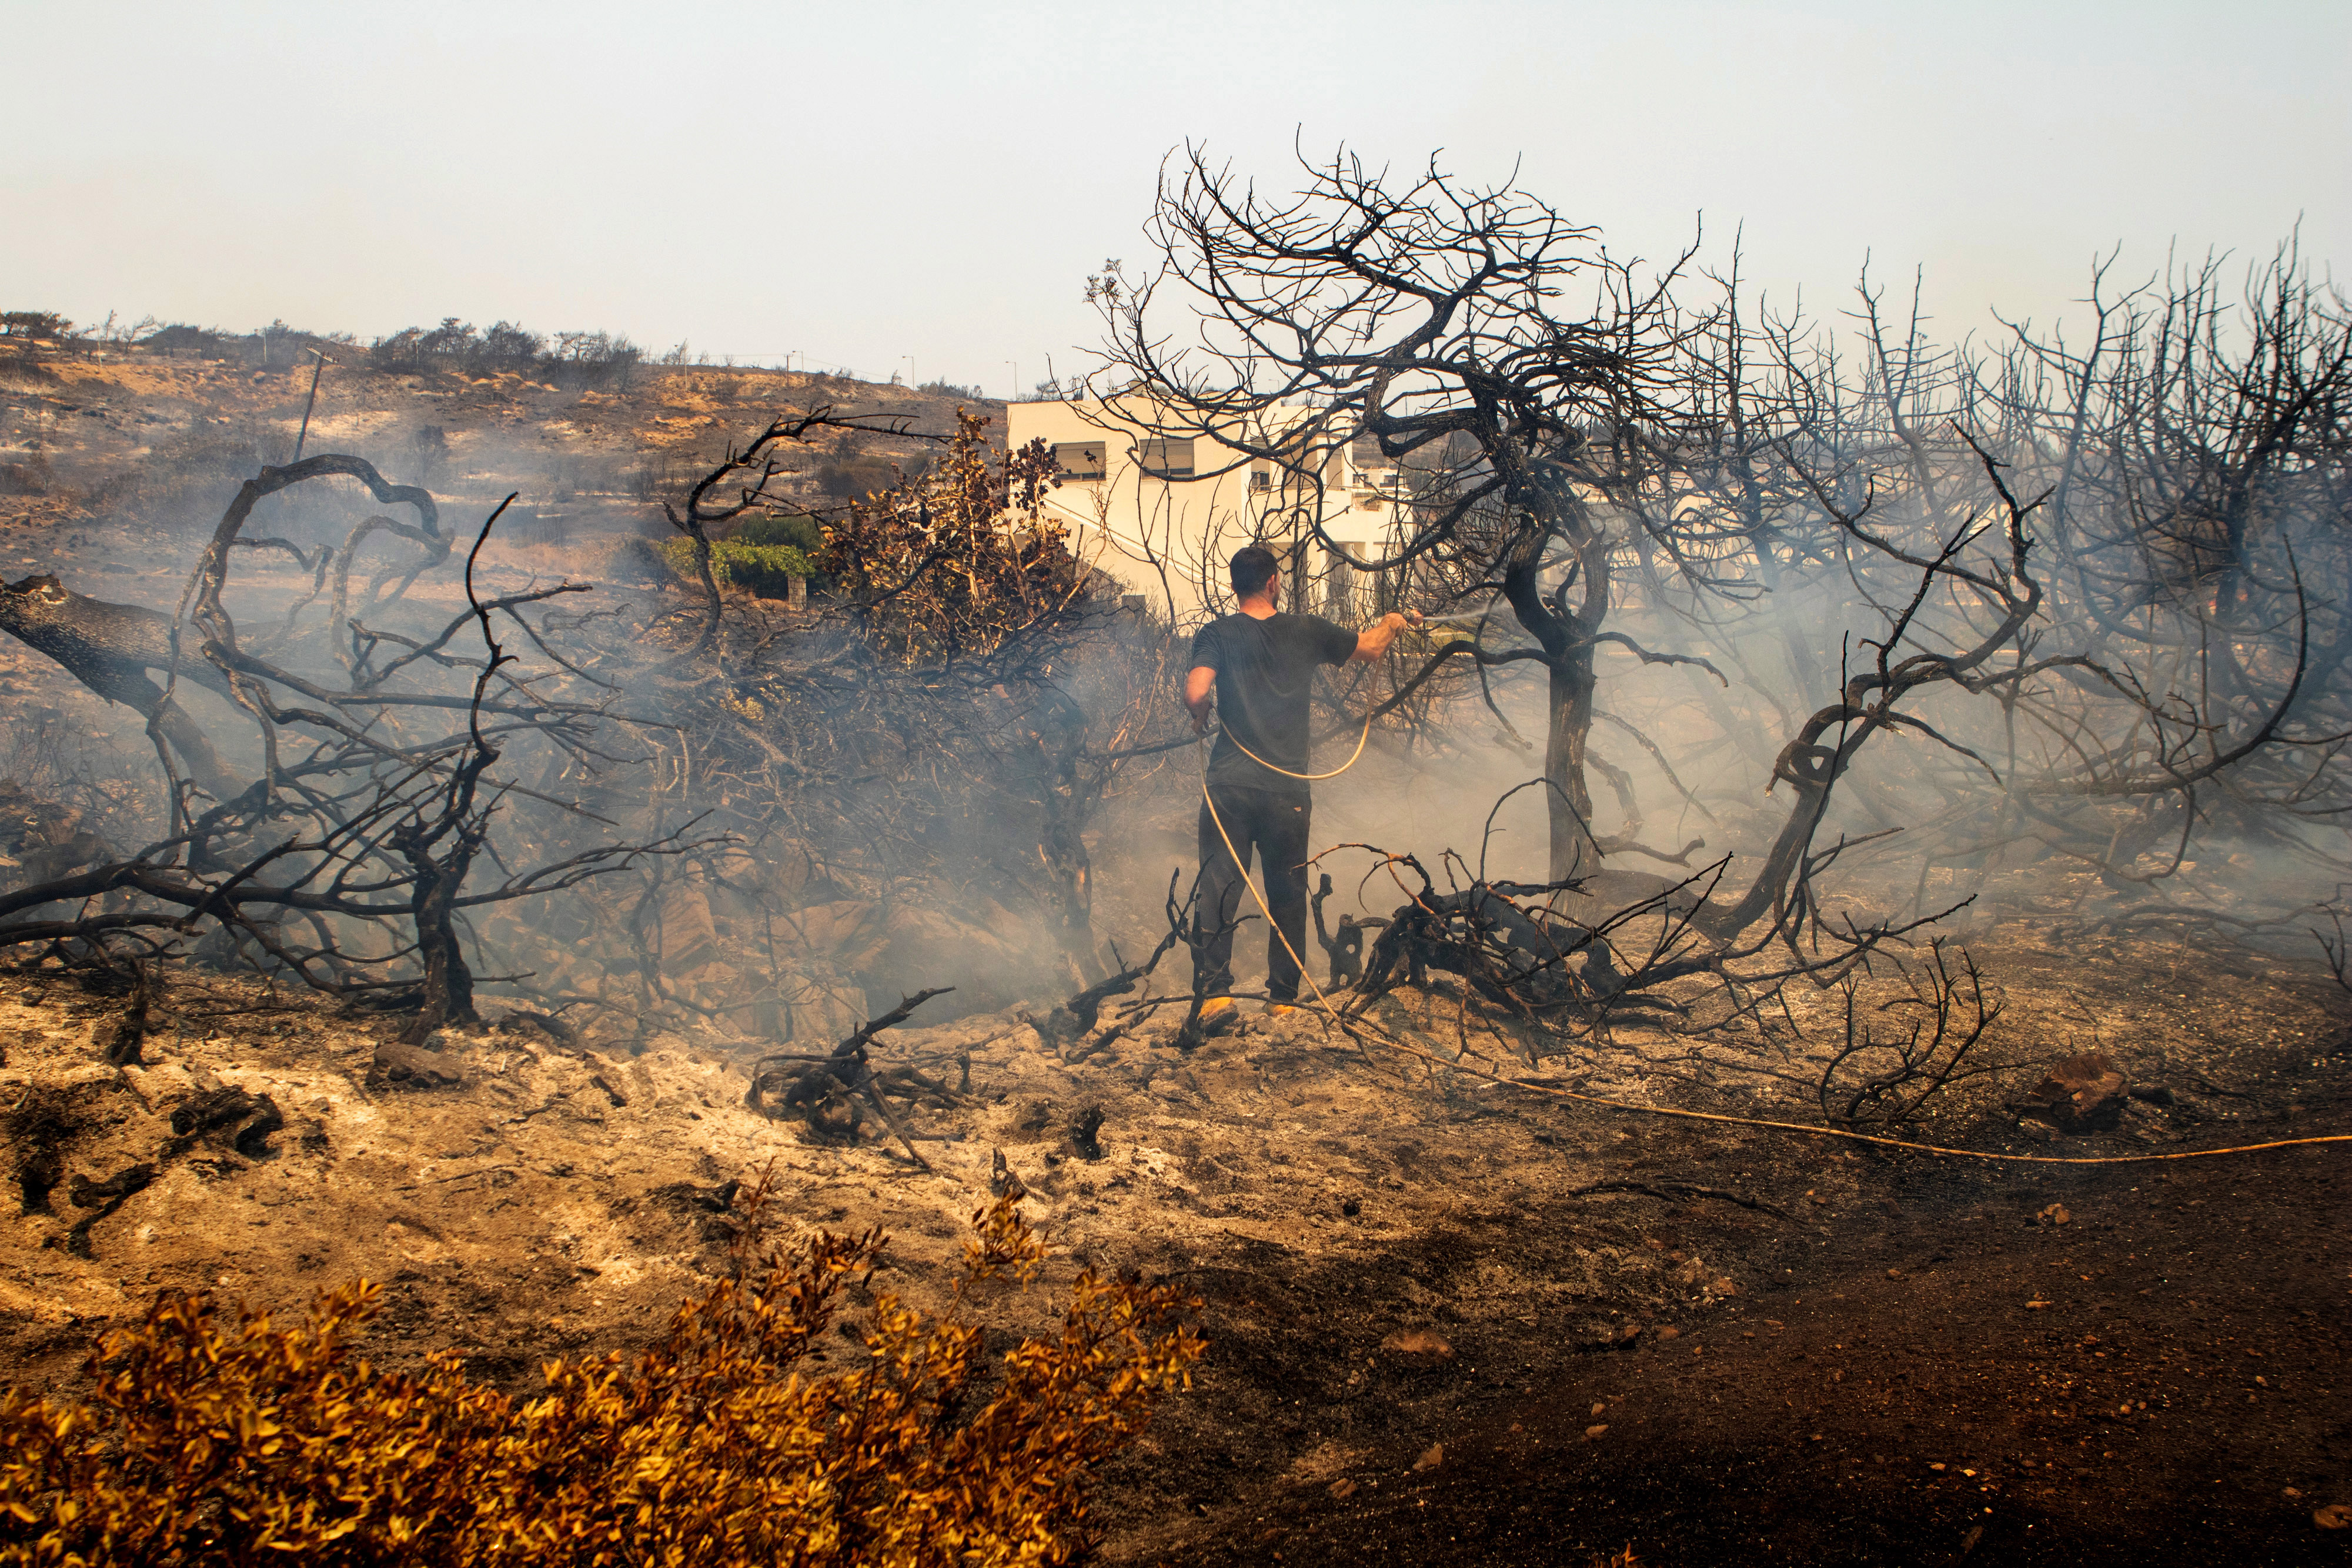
[960,562]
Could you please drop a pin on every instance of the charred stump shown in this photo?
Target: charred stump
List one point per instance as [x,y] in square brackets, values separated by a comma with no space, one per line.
[828,1090]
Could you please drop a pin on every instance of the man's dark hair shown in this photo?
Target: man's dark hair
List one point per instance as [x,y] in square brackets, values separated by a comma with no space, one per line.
[1253,568]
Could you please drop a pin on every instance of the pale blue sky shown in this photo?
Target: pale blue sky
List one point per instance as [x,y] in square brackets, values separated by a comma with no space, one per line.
[864,183]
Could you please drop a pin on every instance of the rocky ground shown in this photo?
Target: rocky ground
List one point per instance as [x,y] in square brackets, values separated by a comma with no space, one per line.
[1448,1321]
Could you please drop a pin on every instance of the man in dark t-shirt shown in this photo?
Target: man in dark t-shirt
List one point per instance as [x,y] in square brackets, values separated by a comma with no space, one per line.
[1259,664]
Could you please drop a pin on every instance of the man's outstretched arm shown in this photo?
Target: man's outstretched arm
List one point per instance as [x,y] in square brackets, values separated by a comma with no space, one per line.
[1200,686]
[1373,640]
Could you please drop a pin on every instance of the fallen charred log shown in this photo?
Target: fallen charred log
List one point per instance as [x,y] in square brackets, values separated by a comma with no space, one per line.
[831,1092]
[1545,982]
[1504,940]
[244,1118]
[1075,1019]
[102,1198]
[111,648]
[1502,950]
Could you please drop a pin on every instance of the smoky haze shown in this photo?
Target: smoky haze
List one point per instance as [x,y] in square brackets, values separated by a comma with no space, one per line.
[1804,483]
[1872,767]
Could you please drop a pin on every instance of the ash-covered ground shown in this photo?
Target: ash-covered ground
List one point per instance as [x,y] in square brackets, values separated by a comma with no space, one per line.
[1448,1320]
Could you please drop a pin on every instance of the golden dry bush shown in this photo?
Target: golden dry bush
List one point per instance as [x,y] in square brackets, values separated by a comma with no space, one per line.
[209,1441]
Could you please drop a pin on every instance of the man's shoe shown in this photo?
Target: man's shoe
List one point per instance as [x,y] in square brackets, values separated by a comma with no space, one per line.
[1276,1009]
[1218,1014]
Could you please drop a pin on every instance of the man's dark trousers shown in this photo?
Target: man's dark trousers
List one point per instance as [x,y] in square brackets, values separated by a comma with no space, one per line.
[1274,826]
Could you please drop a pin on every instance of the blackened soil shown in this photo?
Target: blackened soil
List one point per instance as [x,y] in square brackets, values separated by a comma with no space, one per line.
[1917,1370]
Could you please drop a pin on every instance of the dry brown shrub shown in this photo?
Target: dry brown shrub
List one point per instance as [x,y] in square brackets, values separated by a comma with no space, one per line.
[961,564]
[210,1442]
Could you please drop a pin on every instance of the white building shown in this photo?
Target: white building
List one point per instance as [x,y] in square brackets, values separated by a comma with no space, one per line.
[1165,514]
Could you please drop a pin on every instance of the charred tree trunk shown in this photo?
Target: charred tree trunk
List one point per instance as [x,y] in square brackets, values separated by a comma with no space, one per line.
[448,985]
[1568,736]
[1820,752]
[1566,638]
[448,989]
[1061,739]
[109,648]
[1811,769]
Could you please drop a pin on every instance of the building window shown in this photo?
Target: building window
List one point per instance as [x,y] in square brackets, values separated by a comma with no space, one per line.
[1079,461]
[1261,476]
[1168,459]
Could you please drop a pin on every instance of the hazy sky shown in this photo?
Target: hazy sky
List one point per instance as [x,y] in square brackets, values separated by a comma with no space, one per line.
[861,182]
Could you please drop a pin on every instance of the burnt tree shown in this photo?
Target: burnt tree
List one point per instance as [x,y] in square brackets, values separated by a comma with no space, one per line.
[1433,320]
[346,863]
